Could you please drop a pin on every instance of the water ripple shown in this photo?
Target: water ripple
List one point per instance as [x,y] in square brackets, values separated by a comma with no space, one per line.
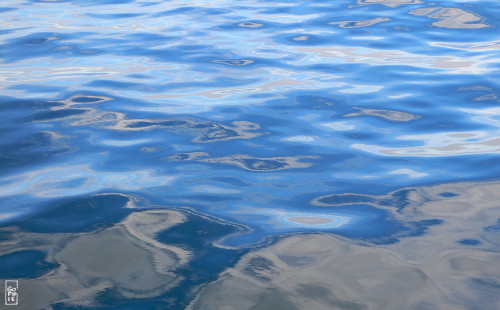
[212,147]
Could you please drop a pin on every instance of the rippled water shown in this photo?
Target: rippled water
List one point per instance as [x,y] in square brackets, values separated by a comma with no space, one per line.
[250,154]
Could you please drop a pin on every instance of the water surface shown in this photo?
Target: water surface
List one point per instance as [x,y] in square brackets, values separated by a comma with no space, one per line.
[250,154]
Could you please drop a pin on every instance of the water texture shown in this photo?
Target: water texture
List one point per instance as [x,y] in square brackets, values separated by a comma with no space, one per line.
[250,154]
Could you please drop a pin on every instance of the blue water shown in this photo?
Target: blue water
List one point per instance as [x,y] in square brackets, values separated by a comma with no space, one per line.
[192,133]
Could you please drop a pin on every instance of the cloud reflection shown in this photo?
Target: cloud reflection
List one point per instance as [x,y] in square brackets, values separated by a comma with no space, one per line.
[125,257]
[327,272]
[440,144]
[390,3]
[452,18]
[72,180]
[248,162]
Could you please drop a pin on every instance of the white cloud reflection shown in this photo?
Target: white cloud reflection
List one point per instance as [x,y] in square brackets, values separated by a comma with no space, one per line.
[440,144]
[72,180]
[430,271]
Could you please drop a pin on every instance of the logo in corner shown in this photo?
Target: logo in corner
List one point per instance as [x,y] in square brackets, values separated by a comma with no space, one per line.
[11,294]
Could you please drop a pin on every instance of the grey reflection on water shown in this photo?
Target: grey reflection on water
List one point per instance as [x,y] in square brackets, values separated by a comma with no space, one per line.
[85,114]
[491,94]
[323,272]
[241,62]
[248,162]
[433,271]
[250,25]
[371,56]
[441,144]
[81,99]
[390,3]
[360,23]
[453,18]
[391,115]
[318,271]
[203,130]
[125,257]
